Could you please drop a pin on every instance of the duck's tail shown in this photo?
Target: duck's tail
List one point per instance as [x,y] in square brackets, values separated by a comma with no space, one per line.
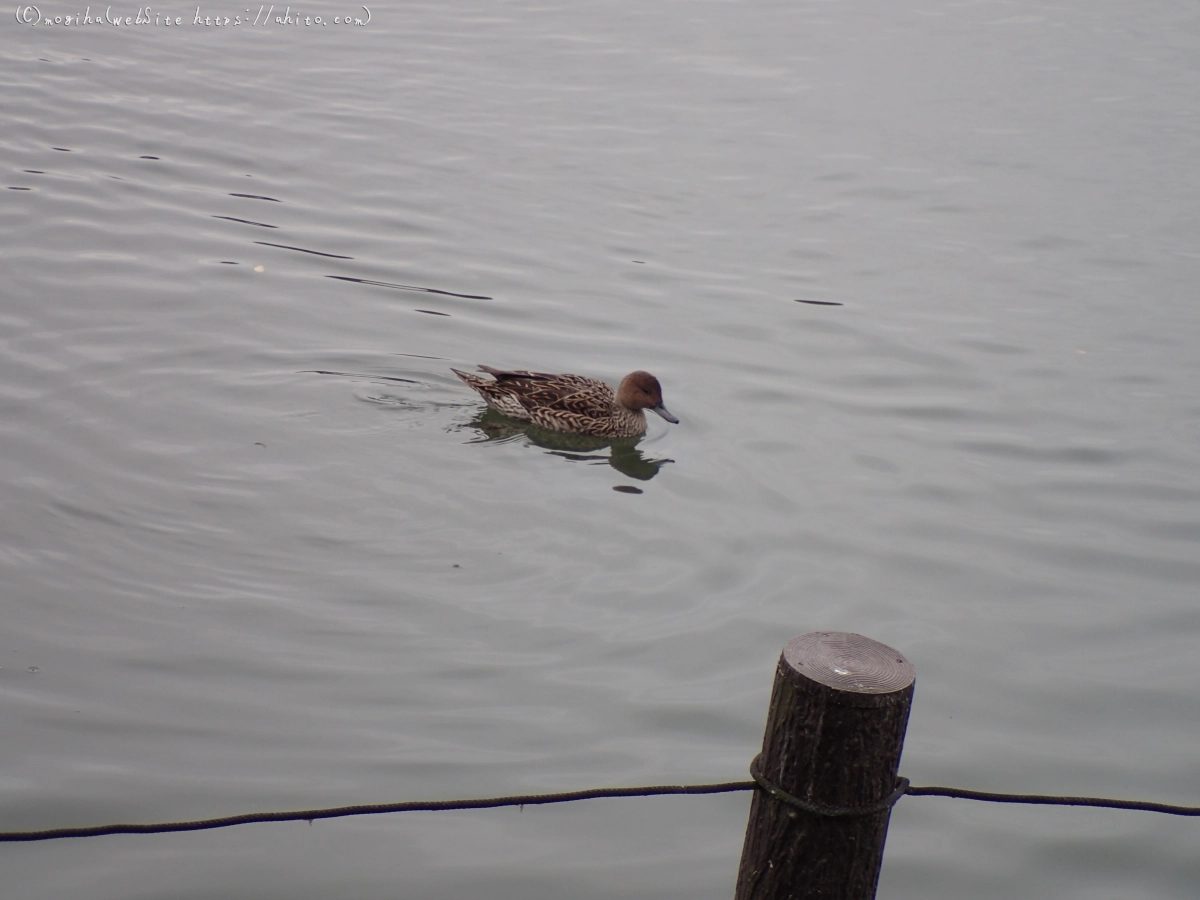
[473,380]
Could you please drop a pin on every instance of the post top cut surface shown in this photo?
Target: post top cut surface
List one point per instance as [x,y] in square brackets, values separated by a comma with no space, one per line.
[849,662]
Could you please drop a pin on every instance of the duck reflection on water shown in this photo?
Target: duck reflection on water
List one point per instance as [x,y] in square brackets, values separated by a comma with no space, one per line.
[623,455]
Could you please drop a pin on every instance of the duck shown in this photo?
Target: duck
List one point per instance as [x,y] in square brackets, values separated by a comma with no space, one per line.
[575,404]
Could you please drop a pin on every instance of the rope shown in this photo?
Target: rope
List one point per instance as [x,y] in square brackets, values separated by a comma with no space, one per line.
[309,815]
[1045,800]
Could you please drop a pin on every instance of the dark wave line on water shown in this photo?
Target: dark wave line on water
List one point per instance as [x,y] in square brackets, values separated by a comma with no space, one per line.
[821,302]
[360,375]
[302,250]
[256,197]
[432,312]
[246,222]
[409,287]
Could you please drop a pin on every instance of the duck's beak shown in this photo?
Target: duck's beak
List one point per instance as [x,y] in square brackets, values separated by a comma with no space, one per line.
[662,411]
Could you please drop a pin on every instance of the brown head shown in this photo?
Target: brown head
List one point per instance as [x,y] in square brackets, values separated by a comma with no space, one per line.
[641,390]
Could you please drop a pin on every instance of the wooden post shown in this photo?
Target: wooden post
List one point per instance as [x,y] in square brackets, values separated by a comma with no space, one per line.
[833,738]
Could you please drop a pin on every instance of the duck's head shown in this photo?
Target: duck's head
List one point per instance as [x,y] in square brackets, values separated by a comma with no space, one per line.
[641,390]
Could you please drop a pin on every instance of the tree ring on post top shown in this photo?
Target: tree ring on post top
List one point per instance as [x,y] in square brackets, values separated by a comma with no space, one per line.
[848,662]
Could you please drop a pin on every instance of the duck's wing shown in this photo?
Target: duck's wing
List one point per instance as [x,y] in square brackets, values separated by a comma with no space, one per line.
[546,391]
[593,401]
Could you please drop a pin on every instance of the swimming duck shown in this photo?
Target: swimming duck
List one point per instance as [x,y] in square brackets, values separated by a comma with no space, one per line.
[572,403]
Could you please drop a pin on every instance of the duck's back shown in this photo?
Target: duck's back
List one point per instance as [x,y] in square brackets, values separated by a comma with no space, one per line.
[544,393]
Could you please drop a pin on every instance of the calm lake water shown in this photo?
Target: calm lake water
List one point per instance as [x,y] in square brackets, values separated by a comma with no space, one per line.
[259,551]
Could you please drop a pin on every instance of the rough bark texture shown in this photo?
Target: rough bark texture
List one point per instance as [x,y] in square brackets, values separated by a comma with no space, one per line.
[834,735]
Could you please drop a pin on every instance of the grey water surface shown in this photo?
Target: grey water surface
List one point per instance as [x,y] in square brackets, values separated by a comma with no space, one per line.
[919,280]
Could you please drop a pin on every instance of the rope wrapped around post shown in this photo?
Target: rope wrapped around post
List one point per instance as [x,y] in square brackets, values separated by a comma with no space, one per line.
[820,809]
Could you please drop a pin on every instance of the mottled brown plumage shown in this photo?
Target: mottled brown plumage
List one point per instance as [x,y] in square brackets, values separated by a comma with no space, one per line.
[572,403]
